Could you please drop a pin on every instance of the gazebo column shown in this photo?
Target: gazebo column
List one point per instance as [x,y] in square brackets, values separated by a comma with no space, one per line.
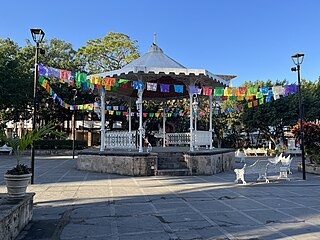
[103,118]
[164,127]
[191,122]
[210,121]
[129,121]
[139,103]
[129,116]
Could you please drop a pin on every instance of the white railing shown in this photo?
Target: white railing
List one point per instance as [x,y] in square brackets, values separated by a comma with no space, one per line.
[121,140]
[200,138]
[128,140]
[177,138]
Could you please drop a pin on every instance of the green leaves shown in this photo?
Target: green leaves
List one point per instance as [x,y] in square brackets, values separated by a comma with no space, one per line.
[111,52]
[21,144]
[15,89]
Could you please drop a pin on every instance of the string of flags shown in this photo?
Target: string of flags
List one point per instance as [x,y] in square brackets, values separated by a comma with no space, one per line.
[253,94]
[92,82]
[111,110]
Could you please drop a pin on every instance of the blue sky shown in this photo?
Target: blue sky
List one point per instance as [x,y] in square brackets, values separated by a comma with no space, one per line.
[252,39]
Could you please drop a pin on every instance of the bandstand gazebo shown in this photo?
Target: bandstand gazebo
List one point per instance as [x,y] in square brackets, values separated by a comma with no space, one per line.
[156,68]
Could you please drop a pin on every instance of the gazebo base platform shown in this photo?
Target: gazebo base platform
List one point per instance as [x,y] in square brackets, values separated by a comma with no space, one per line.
[166,161]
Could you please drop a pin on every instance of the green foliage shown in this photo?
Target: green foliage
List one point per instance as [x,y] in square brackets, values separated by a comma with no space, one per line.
[15,82]
[59,54]
[111,52]
[59,144]
[271,118]
[20,169]
[21,144]
[311,138]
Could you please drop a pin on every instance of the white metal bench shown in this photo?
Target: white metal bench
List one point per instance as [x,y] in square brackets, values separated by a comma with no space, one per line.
[5,148]
[255,152]
[278,164]
[241,155]
[249,152]
[285,161]
[258,167]
[262,152]
[278,168]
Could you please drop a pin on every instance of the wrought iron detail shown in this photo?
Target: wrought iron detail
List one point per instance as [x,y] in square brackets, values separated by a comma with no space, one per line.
[121,140]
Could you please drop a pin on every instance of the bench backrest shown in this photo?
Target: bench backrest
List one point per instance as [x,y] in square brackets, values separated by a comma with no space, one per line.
[258,166]
[286,161]
[274,168]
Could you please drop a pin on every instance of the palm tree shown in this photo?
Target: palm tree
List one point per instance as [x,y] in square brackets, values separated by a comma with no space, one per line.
[21,144]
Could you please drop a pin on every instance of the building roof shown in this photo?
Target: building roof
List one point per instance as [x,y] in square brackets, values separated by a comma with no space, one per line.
[154,58]
[155,66]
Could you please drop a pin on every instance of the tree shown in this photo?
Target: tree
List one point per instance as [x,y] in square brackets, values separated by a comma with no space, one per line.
[15,82]
[111,52]
[310,96]
[58,54]
[271,118]
[311,139]
[21,144]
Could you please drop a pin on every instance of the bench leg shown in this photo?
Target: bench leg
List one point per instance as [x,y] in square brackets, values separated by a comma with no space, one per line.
[239,176]
[242,178]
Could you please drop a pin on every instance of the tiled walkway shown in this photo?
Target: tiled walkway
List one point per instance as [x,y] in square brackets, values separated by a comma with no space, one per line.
[72,204]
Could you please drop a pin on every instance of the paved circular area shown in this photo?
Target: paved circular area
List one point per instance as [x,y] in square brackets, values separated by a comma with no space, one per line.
[72,204]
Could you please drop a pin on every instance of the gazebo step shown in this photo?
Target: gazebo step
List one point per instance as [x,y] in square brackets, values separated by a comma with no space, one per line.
[172,165]
[173,172]
[170,155]
[170,159]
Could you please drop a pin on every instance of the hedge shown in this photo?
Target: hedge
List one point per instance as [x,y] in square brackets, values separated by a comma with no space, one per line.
[60,144]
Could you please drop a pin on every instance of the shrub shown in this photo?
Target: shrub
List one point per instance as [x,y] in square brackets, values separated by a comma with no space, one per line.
[311,139]
[60,144]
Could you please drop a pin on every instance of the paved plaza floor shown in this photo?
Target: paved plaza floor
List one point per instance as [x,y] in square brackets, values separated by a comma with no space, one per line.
[72,204]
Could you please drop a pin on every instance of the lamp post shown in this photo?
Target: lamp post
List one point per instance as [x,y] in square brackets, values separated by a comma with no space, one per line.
[74,122]
[297,60]
[37,36]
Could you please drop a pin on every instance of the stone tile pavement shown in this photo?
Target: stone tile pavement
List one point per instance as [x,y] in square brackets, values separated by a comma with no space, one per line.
[72,204]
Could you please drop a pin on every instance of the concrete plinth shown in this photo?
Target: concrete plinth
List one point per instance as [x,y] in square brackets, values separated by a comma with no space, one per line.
[206,163]
[15,214]
[123,163]
[311,168]
[201,162]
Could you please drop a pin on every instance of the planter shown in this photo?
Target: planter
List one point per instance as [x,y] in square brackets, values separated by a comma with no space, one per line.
[311,168]
[17,184]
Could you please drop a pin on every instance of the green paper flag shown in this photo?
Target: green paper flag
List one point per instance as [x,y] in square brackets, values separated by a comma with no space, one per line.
[259,95]
[123,81]
[40,80]
[218,92]
[261,101]
[252,90]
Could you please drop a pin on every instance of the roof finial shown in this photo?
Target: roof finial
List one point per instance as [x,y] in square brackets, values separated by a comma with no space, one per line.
[155,39]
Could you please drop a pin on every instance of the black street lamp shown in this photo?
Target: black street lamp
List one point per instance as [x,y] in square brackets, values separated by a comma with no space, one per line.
[37,36]
[74,122]
[297,60]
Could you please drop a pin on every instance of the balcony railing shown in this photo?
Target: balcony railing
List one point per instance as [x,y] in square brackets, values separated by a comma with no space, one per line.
[121,140]
[128,140]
